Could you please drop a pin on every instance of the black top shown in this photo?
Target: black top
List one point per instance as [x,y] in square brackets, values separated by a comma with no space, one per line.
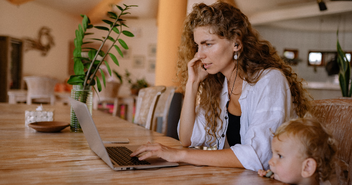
[233,130]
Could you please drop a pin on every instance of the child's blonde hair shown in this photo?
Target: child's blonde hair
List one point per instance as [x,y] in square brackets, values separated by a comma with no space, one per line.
[317,143]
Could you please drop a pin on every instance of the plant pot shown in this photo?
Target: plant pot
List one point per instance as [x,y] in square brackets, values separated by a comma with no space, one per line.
[134,91]
[85,96]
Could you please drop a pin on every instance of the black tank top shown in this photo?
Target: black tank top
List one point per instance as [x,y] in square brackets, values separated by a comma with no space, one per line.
[233,130]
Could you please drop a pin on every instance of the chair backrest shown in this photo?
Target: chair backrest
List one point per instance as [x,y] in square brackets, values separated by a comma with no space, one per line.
[145,105]
[40,87]
[162,109]
[336,115]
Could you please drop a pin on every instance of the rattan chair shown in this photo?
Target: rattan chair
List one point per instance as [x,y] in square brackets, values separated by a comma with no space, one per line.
[162,110]
[145,106]
[40,88]
[336,115]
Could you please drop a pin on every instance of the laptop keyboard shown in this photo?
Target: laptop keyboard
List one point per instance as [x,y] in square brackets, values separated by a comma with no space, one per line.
[121,156]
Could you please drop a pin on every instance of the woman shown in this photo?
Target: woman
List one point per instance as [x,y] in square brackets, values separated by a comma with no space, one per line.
[237,90]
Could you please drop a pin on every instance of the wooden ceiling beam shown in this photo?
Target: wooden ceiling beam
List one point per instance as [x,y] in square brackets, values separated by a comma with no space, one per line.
[18,2]
[99,12]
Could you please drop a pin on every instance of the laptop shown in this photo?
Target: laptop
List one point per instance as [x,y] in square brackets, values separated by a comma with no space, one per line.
[115,156]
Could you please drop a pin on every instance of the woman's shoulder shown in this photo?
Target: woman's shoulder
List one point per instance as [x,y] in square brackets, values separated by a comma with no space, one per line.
[272,73]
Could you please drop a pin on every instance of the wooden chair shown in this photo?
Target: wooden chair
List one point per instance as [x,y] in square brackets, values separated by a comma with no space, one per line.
[40,87]
[145,106]
[336,115]
[108,94]
[162,110]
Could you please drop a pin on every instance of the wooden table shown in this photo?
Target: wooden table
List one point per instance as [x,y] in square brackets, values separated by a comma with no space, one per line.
[27,156]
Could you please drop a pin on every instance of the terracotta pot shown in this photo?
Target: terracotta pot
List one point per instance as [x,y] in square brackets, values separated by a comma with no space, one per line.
[134,91]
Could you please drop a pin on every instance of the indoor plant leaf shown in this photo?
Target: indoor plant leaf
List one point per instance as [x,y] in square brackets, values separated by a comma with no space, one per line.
[108,67]
[102,28]
[116,30]
[112,56]
[118,50]
[103,77]
[127,33]
[123,44]
[98,84]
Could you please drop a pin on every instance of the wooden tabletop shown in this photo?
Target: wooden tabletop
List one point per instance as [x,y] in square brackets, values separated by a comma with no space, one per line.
[27,156]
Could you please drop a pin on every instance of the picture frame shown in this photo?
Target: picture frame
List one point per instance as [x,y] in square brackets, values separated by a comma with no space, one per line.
[138,61]
[152,50]
[151,66]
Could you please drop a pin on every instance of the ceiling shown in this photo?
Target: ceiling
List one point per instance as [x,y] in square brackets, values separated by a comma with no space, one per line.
[292,14]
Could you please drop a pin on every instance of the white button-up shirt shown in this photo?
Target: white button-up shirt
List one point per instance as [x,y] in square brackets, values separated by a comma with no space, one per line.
[265,106]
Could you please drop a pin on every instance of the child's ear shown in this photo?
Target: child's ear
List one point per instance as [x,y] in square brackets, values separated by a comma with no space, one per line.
[308,167]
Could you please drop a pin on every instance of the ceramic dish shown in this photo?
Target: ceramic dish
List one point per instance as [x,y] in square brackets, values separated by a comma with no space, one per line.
[49,126]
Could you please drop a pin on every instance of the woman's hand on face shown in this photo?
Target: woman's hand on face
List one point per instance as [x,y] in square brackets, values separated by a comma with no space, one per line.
[158,150]
[196,71]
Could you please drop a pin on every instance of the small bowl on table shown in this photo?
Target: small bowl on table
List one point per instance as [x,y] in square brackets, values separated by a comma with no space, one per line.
[49,126]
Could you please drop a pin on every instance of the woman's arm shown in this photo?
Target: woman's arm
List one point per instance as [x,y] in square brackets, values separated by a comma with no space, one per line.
[196,74]
[222,158]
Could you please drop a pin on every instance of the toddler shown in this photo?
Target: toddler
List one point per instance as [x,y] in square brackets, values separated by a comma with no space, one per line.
[303,153]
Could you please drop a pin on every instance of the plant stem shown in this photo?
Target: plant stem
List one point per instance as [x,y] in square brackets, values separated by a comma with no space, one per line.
[97,54]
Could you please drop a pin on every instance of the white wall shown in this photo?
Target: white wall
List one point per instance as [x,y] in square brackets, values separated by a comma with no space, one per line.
[145,31]
[26,21]
[304,41]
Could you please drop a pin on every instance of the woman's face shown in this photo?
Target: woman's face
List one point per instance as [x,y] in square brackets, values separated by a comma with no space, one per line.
[215,53]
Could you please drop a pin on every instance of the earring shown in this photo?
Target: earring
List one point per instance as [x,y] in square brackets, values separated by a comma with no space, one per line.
[235,56]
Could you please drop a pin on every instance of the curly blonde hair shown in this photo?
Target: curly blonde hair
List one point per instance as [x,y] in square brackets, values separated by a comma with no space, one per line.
[317,142]
[255,56]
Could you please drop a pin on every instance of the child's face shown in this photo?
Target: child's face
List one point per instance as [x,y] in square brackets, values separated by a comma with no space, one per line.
[287,159]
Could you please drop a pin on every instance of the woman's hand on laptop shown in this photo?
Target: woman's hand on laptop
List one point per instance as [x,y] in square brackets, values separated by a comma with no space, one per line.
[158,150]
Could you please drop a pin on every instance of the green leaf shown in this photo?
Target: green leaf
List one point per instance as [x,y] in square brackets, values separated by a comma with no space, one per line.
[85,23]
[108,22]
[78,67]
[98,84]
[96,39]
[103,76]
[123,44]
[119,7]
[91,53]
[108,67]
[114,59]
[116,30]
[118,50]
[112,15]
[77,52]
[118,76]
[125,13]
[102,28]
[111,39]
[80,31]
[86,43]
[127,33]
[76,80]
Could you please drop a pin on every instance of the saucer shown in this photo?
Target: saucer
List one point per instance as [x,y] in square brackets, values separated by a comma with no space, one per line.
[49,126]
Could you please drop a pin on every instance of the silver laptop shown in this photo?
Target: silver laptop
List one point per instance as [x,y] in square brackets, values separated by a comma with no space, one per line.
[112,155]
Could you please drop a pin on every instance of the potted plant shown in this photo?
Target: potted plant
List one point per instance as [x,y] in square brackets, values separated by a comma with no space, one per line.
[345,71]
[86,68]
[135,86]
